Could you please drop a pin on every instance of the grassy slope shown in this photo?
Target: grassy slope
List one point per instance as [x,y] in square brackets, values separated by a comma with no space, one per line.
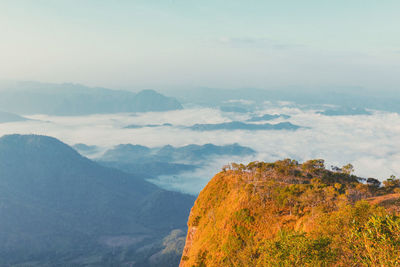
[241,211]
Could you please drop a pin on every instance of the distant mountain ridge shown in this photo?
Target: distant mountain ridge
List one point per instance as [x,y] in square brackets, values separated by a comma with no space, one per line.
[166,160]
[232,125]
[10,117]
[168,153]
[350,97]
[268,117]
[238,125]
[74,99]
[345,111]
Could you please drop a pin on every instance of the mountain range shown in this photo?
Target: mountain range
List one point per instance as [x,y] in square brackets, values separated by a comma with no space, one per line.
[268,117]
[347,97]
[58,208]
[345,111]
[238,125]
[167,160]
[10,117]
[75,99]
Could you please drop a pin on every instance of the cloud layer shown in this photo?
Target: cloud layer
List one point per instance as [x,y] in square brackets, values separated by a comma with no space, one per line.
[371,143]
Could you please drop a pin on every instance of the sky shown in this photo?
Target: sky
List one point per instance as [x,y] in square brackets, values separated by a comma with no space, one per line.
[188,44]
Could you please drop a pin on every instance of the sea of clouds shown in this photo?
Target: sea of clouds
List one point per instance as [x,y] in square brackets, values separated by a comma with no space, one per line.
[370,142]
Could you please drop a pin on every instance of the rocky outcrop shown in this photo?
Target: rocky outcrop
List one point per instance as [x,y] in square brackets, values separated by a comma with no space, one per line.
[188,244]
[290,214]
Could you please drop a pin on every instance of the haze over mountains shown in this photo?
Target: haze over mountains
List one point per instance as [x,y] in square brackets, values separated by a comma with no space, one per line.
[233,125]
[74,99]
[167,160]
[237,125]
[340,124]
[268,117]
[10,117]
[168,153]
[117,204]
[59,208]
[348,97]
[343,111]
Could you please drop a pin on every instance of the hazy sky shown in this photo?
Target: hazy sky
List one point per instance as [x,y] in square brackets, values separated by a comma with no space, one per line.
[229,44]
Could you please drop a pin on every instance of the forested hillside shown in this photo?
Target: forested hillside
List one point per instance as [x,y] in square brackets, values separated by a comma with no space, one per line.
[58,208]
[291,214]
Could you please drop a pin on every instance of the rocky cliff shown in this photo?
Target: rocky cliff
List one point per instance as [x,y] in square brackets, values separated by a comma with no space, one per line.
[290,214]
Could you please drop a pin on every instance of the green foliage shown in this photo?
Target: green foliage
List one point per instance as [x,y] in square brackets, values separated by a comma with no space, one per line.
[313,165]
[296,249]
[243,215]
[285,166]
[201,259]
[377,242]
[391,184]
[359,235]
[348,169]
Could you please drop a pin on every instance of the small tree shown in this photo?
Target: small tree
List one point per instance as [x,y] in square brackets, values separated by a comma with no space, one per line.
[348,169]
[314,164]
[391,184]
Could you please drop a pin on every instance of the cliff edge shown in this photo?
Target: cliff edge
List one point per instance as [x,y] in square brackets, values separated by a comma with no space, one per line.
[291,214]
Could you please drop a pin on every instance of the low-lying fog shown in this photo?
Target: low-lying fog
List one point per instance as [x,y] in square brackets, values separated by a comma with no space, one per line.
[370,142]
